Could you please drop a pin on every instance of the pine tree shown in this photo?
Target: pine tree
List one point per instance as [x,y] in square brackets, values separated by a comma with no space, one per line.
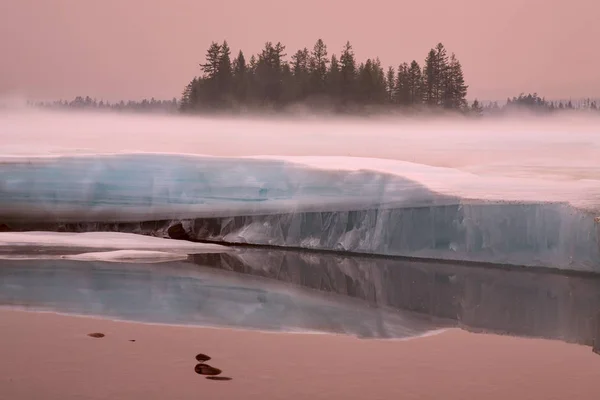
[318,67]
[253,63]
[435,76]
[390,82]
[371,87]
[415,84]
[240,78]
[348,74]
[455,90]
[429,79]
[442,72]
[364,83]
[224,72]
[403,81]
[288,85]
[301,73]
[380,94]
[206,91]
[253,86]
[213,58]
[476,108]
[186,97]
[334,78]
[269,73]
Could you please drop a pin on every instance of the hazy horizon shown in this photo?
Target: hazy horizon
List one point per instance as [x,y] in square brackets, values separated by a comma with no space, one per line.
[113,50]
[447,140]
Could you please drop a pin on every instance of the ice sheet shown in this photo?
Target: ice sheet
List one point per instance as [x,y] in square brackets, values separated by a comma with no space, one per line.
[167,185]
[371,206]
[104,240]
[128,256]
[526,193]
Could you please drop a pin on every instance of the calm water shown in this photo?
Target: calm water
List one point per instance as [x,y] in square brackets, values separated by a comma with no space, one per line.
[298,291]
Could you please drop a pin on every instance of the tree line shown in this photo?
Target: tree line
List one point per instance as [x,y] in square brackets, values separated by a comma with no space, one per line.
[86,103]
[313,77]
[535,102]
[528,102]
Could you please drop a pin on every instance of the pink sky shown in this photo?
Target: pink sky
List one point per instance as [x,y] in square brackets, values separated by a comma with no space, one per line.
[130,49]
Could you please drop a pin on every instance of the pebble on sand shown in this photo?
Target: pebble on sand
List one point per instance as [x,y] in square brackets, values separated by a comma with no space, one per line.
[202,357]
[205,369]
[96,335]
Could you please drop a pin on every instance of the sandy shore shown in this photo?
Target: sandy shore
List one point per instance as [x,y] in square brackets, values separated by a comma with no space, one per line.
[49,356]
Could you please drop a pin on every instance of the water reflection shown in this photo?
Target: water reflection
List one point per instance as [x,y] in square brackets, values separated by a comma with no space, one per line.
[515,302]
[290,290]
[184,293]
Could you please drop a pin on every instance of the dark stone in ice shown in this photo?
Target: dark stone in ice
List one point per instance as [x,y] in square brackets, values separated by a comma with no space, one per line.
[178,232]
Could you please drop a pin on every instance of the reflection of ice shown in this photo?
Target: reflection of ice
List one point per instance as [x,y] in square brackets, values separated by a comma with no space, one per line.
[519,302]
[331,203]
[137,256]
[179,293]
[102,240]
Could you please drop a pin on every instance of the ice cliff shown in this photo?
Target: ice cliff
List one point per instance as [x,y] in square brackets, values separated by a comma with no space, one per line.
[372,206]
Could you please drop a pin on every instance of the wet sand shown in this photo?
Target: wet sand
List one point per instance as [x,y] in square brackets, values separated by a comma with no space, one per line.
[50,356]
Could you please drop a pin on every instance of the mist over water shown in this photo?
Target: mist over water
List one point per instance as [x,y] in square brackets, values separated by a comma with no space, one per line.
[562,141]
[560,153]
